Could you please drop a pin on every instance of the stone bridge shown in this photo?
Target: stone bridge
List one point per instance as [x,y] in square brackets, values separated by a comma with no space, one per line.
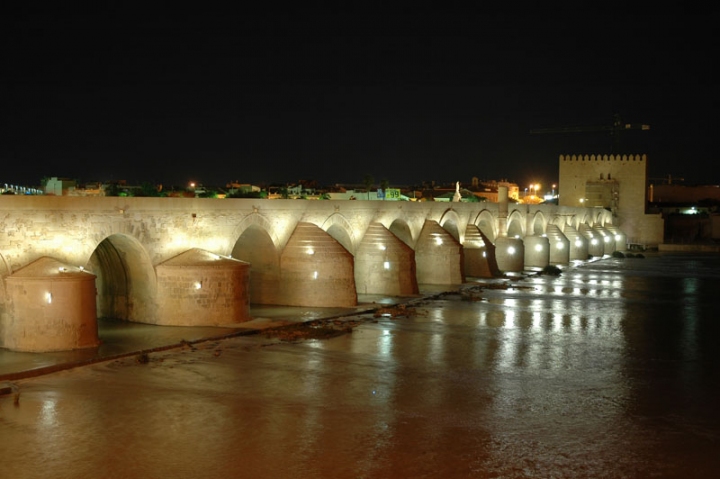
[64,261]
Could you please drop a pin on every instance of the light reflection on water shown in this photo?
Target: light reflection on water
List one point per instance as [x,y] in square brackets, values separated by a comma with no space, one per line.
[610,370]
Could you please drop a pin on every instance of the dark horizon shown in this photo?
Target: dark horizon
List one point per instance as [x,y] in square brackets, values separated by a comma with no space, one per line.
[409,98]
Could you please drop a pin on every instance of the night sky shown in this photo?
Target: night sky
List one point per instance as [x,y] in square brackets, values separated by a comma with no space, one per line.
[409,97]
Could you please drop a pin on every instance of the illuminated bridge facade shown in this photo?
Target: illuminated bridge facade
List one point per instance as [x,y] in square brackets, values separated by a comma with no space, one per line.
[64,261]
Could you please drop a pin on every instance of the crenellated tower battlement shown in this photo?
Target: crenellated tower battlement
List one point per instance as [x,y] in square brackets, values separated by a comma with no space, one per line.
[627,158]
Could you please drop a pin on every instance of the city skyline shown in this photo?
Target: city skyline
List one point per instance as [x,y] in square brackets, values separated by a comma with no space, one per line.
[409,98]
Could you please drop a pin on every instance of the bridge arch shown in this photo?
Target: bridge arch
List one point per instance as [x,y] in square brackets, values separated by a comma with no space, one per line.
[538,223]
[487,223]
[256,246]
[585,219]
[337,226]
[450,222]
[125,279]
[400,228]
[259,221]
[559,221]
[605,217]
[515,224]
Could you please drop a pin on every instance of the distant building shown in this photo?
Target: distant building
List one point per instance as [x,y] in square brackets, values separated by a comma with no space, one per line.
[235,187]
[488,189]
[88,189]
[690,212]
[59,186]
[682,194]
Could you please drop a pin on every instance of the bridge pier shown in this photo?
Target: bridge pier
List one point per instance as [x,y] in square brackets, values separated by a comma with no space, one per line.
[510,254]
[199,288]
[438,256]
[559,246]
[384,264]
[607,238]
[578,244]
[479,254]
[537,251]
[620,237]
[50,307]
[316,271]
[596,245]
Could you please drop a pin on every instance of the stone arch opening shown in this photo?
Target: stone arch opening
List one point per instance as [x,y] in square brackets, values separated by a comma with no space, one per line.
[537,225]
[449,222]
[604,217]
[339,228]
[560,222]
[580,219]
[515,225]
[341,236]
[486,223]
[401,229]
[255,246]
[125,280]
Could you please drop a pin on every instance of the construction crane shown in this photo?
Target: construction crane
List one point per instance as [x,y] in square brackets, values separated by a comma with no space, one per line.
[615,129]
[669,179]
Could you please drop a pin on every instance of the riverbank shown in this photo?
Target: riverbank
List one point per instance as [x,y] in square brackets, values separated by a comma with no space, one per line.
[689,248]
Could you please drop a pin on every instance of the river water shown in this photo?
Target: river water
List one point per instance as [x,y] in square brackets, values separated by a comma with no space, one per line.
[609,370]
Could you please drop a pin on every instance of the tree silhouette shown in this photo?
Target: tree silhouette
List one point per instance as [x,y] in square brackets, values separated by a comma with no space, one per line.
[368,181]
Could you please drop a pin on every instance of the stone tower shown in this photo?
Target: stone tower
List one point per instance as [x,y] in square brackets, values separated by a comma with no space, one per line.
[617,183]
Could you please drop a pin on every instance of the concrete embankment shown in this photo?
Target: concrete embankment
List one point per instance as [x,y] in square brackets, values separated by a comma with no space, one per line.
[689,248]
